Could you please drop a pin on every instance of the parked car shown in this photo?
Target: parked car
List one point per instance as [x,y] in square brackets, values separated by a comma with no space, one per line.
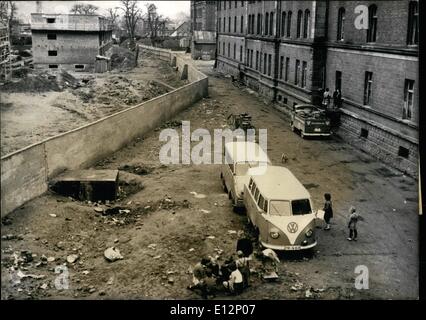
[240,156]
[310,120]
[280,209]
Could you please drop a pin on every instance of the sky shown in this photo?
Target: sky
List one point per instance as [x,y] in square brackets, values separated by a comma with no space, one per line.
[171,9]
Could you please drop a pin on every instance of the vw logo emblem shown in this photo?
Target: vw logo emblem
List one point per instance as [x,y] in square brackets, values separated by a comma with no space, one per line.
[292,227]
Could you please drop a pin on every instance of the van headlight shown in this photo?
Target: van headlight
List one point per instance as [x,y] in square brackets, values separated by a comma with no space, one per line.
[309,233]
[274,234]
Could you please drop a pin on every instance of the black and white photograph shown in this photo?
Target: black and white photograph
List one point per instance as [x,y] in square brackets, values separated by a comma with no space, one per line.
[210,151]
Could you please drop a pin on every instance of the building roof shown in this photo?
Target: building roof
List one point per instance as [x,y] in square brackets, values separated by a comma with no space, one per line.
[277,183]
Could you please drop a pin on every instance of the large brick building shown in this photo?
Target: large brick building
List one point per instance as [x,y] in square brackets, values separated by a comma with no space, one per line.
[289,51]
[203,29]
[69,41]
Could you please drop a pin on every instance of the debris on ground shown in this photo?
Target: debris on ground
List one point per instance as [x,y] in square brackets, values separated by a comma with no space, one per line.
[198,195]
[113,254]
[72,258]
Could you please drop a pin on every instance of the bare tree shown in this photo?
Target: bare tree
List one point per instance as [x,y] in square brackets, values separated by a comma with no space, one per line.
[157,24]
[132,14]
[84,8]
[7,12]
[113,16]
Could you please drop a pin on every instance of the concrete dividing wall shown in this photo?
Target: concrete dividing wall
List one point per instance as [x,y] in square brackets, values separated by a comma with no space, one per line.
[25,173]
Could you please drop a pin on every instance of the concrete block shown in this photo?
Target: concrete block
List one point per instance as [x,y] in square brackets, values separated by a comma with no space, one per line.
[93,185]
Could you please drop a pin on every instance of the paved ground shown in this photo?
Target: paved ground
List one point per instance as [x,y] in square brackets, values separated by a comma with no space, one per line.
[168,229]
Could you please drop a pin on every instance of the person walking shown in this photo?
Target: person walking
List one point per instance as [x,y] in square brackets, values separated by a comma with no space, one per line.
[354,217]
[326,98]
[328,210]
[337,98]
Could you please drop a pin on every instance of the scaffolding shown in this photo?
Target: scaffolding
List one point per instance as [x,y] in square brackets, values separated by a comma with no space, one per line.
[5,54]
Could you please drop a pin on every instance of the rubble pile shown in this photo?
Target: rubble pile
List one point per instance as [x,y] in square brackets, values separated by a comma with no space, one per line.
[34,82]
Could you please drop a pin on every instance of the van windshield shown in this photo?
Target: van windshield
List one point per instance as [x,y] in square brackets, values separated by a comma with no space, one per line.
[279,208]
[301,207]
[242,167]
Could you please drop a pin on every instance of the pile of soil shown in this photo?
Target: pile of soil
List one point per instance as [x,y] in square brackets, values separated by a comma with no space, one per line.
[122,58]
[42,82]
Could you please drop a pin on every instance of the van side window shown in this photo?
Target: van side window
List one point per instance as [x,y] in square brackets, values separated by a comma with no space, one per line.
[265,206]
[260,202]
[250,183]
[256,194]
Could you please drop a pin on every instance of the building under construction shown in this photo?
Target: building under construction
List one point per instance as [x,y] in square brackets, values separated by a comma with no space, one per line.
[70,41]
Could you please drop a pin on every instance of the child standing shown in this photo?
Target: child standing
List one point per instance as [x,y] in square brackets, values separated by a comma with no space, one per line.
[354,217]
[328,210]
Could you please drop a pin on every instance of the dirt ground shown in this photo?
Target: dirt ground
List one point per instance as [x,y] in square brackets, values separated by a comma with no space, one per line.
[169,227]
[29,117]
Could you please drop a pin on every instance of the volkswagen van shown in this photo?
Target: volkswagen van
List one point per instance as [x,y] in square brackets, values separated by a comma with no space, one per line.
[240,157]
[280,209]
[310,121]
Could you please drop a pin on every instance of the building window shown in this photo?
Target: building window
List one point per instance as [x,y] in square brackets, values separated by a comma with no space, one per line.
[283,16]
[338,82]
[50,20]
[241,53]
[229,50]
[258,24]
[304,73]
[372,23]
[230,2]
[219,24]
[307,24]
[413,23]
[224,24]
[236,2]
[271,24]
[289,23]
[242,24]
[52,53]
[53,66]
[235,51]
[242,3]
[281,66]
[287,68]
[367,87]
[266,23]
[403,152]
[251,59]
[408,99]
[229,24]
[296,73]
[265,62]
[79,66]
[364,133]
[257,60]
[223,51]
[341,24]
[235,24]
[299,23]
[269,64]
[51,36]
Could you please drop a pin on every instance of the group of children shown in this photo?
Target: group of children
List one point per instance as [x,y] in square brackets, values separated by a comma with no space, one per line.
[232,276]
[354,217]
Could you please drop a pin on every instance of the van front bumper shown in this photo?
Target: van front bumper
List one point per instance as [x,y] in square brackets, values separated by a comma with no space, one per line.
[289,247]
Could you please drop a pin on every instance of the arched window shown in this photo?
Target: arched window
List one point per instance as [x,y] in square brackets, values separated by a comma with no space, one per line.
[283,16]
[289,23]
[307,24]
[372,23]
[299,23]
[266,23]
[413,23]
[271,24]
[341,24]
